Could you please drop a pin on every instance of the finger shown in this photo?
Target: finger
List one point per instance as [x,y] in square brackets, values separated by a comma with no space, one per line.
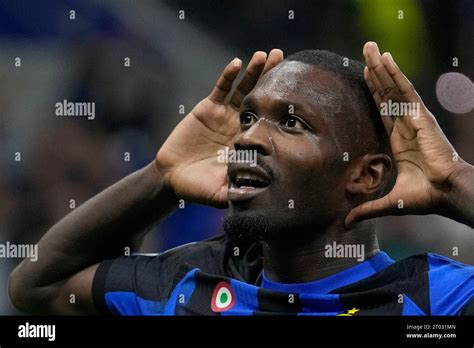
[250,78]
[386,87]
[387,121]
[376,86]
[371,83]
[408,91]
[372,209]
[401,81]
[275,57]
[224,82]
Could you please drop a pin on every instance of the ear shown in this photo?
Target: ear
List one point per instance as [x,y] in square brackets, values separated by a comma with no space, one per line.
[369,174]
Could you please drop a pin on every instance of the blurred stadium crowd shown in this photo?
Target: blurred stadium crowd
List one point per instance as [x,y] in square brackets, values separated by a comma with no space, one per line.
[173,63]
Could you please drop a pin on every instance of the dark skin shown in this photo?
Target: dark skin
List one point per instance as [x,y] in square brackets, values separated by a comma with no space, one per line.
[305,157]
[429,181]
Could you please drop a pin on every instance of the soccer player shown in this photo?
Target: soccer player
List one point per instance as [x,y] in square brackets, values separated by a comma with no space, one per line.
[324,161]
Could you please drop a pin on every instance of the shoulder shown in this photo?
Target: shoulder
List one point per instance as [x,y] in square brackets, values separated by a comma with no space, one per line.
[207,253]
[437,284]
[159,271]
[447,272]
[142,283]
[438,261]
[451,284]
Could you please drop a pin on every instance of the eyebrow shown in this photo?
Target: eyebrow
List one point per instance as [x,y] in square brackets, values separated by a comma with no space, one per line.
[249,103]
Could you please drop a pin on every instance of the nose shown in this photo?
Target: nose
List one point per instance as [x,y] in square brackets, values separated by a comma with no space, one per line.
[258,137]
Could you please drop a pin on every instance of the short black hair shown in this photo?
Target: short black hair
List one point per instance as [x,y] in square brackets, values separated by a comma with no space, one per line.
[351,72]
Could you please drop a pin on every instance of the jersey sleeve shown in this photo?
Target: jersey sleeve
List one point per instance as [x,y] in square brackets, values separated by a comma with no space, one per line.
[141,284]
[134,285]
[451,286]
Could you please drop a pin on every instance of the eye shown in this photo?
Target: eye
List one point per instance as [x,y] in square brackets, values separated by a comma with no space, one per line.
[247,119]
[294,122]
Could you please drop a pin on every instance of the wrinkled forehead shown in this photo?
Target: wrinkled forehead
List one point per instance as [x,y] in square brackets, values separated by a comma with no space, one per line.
[293,80]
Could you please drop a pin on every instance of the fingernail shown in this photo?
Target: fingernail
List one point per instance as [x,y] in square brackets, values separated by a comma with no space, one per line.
[237,61]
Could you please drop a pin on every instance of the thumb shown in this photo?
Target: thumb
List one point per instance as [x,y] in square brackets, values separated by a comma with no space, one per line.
[371,209]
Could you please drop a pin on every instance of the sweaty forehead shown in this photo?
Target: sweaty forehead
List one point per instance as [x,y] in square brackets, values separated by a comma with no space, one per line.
[303,83]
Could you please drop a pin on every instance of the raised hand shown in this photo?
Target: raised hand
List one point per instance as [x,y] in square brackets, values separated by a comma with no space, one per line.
[431,175]
[188,158]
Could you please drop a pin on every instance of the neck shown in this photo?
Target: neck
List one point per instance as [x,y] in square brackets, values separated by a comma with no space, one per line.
[320,253]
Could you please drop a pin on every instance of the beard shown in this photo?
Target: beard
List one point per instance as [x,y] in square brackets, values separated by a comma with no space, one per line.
[247,229]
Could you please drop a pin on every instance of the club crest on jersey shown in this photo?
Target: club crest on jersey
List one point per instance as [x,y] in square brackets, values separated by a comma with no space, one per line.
[223,297]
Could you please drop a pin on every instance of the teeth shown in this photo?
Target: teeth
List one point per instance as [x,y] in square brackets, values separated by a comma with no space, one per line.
[249,176]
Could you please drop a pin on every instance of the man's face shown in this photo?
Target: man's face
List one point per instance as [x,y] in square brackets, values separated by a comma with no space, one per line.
[294,119]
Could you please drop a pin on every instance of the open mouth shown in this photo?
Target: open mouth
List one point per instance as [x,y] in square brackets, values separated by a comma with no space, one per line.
[246,182]
[243,179]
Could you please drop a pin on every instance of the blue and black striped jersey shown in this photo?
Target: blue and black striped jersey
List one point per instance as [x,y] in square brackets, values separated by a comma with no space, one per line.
[205,278]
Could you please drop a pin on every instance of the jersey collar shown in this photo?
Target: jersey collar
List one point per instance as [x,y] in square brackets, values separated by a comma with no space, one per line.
[325,285]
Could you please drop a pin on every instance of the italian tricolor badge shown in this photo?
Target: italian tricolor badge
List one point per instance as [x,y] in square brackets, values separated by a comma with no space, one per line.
[222,298]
